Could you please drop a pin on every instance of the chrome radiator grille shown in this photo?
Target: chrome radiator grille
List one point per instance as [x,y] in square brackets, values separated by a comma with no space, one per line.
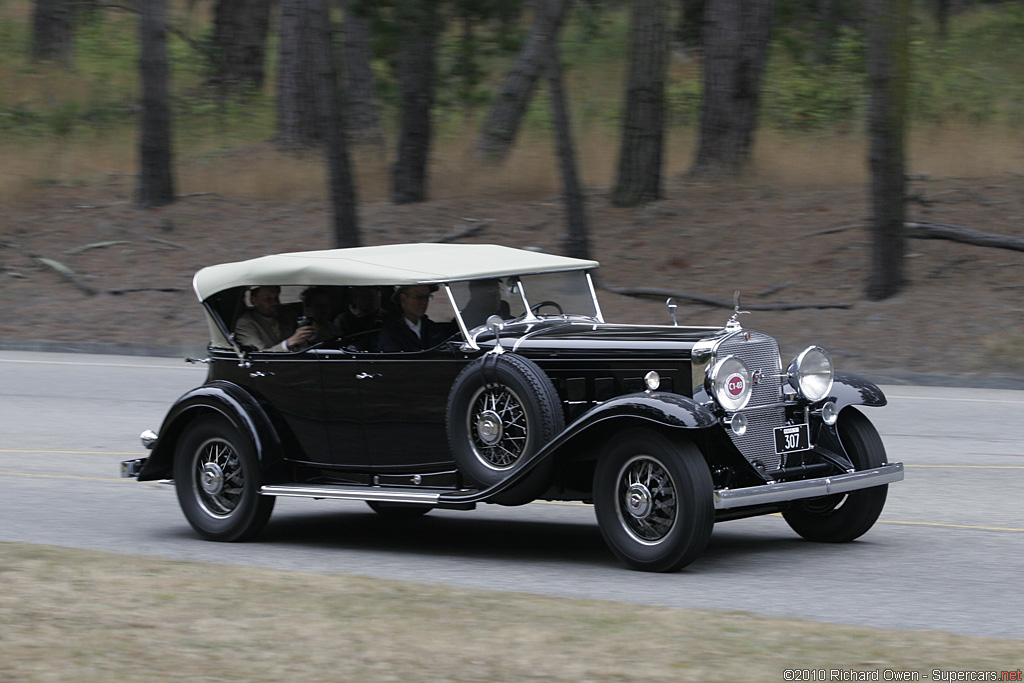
[761,354]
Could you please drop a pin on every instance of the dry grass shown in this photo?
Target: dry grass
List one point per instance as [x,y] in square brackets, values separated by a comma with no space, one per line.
[90,616]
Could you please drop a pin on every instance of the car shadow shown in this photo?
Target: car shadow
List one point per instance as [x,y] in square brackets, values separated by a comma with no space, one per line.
[438,535]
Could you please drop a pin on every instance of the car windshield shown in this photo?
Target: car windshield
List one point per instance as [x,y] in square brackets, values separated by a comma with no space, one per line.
[546,294]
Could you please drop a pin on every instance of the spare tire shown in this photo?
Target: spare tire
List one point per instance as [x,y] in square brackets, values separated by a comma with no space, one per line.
[502,408]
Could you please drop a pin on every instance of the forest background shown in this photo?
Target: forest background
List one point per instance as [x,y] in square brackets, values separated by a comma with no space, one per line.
[79,263]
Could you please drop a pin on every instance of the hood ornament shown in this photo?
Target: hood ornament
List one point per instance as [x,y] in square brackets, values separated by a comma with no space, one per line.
[734,322]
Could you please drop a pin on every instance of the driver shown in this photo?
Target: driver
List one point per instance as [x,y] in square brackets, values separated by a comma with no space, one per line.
[484,301]
[409,328]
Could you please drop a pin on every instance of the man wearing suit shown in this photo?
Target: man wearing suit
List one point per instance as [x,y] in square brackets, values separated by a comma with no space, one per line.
[409,328]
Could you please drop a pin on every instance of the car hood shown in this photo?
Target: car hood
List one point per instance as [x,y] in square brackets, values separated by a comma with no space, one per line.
[602,339]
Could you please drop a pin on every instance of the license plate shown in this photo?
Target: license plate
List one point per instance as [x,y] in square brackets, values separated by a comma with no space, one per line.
[792,438]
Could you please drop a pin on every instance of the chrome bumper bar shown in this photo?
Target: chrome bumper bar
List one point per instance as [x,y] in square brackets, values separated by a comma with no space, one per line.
[807,488]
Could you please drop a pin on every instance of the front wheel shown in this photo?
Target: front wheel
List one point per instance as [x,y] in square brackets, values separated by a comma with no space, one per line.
[217,478]
[845,516]
[653,500]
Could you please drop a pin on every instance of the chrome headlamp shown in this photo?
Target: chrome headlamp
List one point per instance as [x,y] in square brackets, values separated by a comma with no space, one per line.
[729,381]
[811,373]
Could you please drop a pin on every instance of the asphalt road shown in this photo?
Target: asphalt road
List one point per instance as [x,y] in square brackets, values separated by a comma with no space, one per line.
[945,555]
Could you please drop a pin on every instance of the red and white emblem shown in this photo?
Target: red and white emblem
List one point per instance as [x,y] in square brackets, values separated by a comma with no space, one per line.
[734,384]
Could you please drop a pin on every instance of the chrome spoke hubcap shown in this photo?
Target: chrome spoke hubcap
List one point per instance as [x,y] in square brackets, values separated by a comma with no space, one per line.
[646,500]
[217,477]
[498,426]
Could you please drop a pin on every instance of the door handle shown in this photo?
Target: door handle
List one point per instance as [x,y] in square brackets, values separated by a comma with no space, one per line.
[366,375]
[260,373]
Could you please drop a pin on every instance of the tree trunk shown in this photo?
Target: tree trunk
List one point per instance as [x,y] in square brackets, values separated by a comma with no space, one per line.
[420,25]
[576,241]
[888,75]
[240,38]
[643,125]
[52,31]
[691,22]
[156,181]
[362,115]
[329,105]
[736,36]
[502,123]
[298,124]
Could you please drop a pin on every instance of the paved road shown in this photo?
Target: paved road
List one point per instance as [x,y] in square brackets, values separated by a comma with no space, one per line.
[945,556]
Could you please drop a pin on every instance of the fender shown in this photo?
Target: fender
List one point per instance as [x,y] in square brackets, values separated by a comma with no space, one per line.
[669,410]
[853,390]
[227,399]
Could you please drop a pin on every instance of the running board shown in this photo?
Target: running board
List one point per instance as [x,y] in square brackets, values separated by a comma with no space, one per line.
[380,494]
[808,488]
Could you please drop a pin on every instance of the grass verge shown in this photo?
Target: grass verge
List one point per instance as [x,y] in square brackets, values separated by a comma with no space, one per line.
[90,616]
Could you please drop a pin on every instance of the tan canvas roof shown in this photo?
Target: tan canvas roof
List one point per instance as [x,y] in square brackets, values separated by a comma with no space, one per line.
[395,264]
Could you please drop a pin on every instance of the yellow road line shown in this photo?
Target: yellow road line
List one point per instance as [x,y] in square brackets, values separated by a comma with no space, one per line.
[26,450]
[951,526]
[969,467]
[59,476]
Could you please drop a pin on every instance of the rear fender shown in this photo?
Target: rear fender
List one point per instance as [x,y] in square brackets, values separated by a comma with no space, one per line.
[223,398]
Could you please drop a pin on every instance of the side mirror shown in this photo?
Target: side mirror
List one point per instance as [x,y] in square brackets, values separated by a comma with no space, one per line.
[494,324]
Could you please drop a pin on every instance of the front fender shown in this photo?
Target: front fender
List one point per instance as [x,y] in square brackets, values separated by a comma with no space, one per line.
[667,410]
[226,399]
[853,390]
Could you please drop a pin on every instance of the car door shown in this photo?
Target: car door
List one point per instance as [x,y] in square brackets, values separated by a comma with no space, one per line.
[290,386]
[403,398]
[343,410]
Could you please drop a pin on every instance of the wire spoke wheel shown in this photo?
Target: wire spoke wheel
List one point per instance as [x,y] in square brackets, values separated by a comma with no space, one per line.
[217,477]
[843,517]
[653,500]
[646,499]
[498,426]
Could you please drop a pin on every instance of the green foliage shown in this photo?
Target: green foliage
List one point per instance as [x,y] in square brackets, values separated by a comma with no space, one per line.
[803,96]
[975,75]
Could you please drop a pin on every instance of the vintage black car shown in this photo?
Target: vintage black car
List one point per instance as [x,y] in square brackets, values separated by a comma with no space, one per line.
[523,393]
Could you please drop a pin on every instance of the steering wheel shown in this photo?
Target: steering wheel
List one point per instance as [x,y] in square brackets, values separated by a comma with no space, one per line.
[542,304]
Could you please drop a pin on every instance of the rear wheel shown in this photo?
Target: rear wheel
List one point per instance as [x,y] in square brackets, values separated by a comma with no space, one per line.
[217,478]
[653,500]
[845,516]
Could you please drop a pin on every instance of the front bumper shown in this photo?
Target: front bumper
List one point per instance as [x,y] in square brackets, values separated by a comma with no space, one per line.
[782,492]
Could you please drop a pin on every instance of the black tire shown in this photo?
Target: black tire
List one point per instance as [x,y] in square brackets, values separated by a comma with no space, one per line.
[843,517]
[217,478]
[398,510]
[653,500]
[502,409]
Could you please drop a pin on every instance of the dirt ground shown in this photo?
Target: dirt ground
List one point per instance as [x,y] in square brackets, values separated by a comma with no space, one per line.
[959,316]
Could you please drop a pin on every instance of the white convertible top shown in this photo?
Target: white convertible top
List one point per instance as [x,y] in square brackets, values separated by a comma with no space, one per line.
[393,264]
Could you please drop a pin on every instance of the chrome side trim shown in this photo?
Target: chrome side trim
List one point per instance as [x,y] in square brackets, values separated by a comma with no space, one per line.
[808,488]
[375,493]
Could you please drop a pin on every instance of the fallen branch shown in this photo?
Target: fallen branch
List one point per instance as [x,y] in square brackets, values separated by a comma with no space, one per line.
[465,232]
[829,231]
[67,274]
[95,245]
[709,301]
[955,233]
[130,290]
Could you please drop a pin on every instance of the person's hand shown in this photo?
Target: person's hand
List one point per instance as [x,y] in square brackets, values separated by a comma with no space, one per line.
[303,336]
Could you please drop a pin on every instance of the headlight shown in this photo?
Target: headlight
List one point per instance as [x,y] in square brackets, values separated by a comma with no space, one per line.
[730,383]
[811,373]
